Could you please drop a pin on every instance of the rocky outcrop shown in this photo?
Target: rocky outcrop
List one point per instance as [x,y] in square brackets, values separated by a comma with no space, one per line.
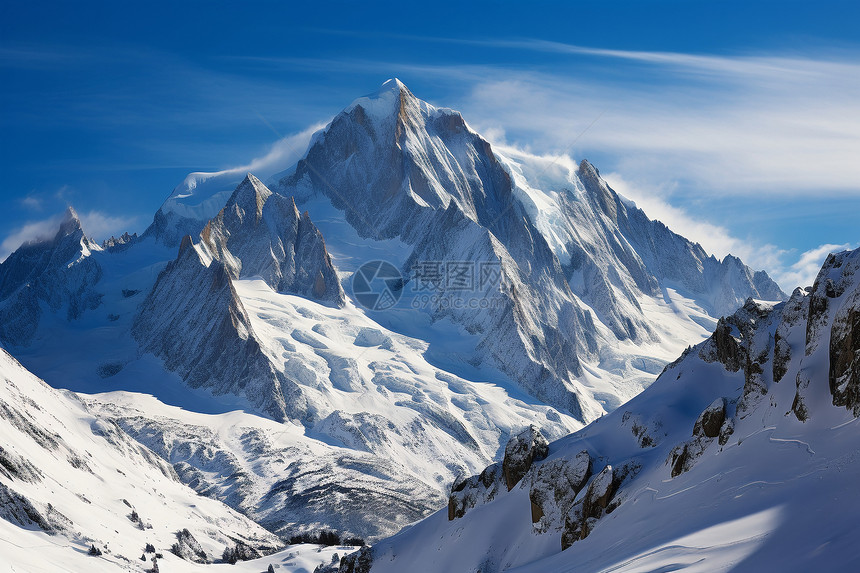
[18,467]
[832,305]
[711,420]
[17,509]
[359,562]
[116,244]
[241,551]
[600,498]
[554,487]
[521,451]
[742,342]
[844,374]
[466,493]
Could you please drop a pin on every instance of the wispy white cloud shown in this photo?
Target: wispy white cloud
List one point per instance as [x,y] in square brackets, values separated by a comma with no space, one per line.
[195,195]
[803,271]
[283,153]
[96,225]
[43,229]
[99,226]
[31,202]
[766,126]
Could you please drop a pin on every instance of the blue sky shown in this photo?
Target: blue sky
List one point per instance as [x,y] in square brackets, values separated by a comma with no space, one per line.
[737,123]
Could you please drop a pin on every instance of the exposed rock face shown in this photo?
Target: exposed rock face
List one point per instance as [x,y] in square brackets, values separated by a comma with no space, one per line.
[711,420]
[359,562]
[832,303]
[119,243]
[520,452]
[554,487]
[240,552]
[18,467]
[188,548]
[596,501]
[466,493]
[726,347]
[259,233]
[58,272]
[600,492]
[844,375]
[194,321]
[742,341]
[19,510]
[795,310]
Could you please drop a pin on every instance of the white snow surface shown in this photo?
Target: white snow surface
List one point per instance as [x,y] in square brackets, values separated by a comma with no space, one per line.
[85,477]
[391,426]
[776,494]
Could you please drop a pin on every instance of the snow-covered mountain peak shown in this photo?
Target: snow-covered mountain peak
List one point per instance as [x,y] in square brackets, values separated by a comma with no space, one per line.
[70,221]
[384,103]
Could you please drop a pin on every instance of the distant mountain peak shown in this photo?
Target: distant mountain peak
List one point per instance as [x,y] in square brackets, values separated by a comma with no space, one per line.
[71,216]
[250,194]
[392,85]
[392,100]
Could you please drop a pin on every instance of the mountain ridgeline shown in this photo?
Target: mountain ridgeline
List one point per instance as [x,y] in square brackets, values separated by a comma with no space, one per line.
[238,297]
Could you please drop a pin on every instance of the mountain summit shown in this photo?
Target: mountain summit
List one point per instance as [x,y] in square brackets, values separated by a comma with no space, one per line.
[581,269]
[229,340]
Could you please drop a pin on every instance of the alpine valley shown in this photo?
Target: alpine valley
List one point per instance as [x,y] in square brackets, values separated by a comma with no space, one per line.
[445,349]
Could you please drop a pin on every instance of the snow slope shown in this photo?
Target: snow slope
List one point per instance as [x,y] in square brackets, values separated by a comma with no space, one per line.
[387,433]
[742,456]
[70,479]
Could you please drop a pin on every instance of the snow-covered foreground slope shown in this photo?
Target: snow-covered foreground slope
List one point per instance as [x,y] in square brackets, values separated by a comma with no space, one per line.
[743,456]
[71,480]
